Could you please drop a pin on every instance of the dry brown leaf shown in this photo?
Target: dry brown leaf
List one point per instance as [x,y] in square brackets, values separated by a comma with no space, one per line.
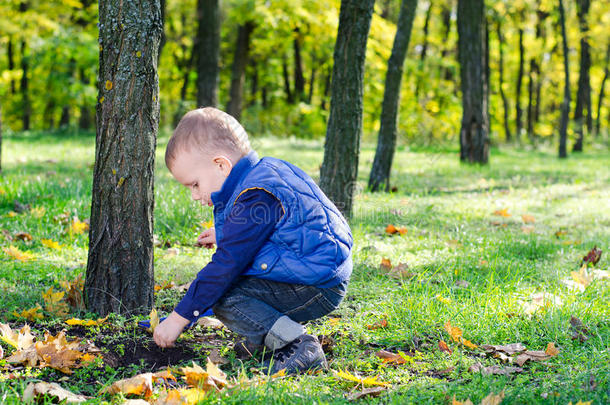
[593,256]
[19,340]
[74,292]
[443,347]
[502,213]
[209,322]
[164,375]
[579,331]
[509,349]
[456,402]
[453,331]
[400,271]
[140,385]
[24,236]
[44,389]
[385,264]
[390,358]
[495,369]
[551,350]
[530,355]
[17,254]
[216,358]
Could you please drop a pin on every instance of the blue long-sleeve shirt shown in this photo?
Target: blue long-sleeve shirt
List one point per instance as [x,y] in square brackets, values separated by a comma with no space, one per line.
[247,228]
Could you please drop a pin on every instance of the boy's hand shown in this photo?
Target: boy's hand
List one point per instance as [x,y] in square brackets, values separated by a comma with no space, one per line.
[168,331]
[207,238]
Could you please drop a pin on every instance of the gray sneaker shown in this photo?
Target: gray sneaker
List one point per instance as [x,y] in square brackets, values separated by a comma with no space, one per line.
[302,354]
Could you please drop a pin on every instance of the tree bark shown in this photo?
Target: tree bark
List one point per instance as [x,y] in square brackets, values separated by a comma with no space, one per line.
[326,88]
[120,264]
[583,94]
[507,133]
[240,61]
[208,55]
[386,142]
[299,79]
[339,170]
[600,99]
[286,76]
[26,105]
[11,62]
[312,80]
[518,110]
[446,9]
[86,120]
[565,105]
[474,138]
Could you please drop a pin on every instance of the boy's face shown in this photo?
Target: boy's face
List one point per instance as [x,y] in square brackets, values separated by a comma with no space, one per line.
[201,174]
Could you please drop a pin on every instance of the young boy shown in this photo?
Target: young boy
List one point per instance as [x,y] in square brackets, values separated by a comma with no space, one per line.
[284,249]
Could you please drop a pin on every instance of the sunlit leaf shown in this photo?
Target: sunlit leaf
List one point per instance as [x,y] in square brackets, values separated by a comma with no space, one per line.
[383,323]
[50,244]
[31,314]
[502,213]
[78,227]
[44,390]
[53,302]
[551,350]
[442,345]
[385,264]
[154,320]
[140,385]
[20,340]
[17,254]
[493,399]
[360,380]
[86,322]
[528,219]
[454,332]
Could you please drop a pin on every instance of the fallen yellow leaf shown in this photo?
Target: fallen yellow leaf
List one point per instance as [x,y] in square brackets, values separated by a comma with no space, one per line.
[502,212]
[50,244]
[31,314]
[154,320]
[363,381]
[551,350]
[78,227]
[528,219]
[86,322]
[17,254]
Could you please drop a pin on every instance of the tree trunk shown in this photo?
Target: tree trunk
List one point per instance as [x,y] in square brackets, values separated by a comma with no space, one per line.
[254,83]
[312,81]
[0,138]
[519,112]
[339,170]
[240,61]
[474,138]
[25,94]
[531,89]
[446,8]
[208,54]
[120,275]
[386,142]
[163,36]
[326,88]
[86,120]
[11,62]
[600,99]
[64,120]
[507,133]
[299,80]
[565,105]
[583,95]
[424,50]
[287,90]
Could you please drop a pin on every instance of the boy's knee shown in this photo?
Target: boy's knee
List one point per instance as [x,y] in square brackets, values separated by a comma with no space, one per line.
[283,331]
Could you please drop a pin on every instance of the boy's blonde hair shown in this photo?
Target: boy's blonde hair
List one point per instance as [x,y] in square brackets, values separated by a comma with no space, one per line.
[210,130]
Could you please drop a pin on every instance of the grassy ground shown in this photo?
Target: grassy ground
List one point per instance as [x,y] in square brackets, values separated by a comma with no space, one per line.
[467,266]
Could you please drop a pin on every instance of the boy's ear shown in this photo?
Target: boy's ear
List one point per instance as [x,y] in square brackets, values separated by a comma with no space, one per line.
[224,164]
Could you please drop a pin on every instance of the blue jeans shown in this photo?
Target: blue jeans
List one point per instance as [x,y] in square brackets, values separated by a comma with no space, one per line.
[269,312]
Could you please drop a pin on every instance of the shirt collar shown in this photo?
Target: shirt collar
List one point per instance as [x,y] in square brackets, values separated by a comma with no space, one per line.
[238,171]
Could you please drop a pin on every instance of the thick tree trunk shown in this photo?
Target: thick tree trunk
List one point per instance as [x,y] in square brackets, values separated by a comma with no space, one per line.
[339,170]
[386,142]
[583,95]
[120,265]
[518,110]
[208,54]
[507,133]
[600,99]
[240,61]
[474,138]
[299,79]
[565,105]
[424,49]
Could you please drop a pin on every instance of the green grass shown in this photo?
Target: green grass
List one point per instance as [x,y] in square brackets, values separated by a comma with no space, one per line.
[452,235]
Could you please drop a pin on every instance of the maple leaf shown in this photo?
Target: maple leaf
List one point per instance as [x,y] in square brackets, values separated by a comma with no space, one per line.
[78,227]
[140,385]
[164,286]
[361,381]
[454,332]
[394,358]
[19,340]
[592,257]
[53,303]
[31,314]
[17,254]
[74,292]
[366,392]
[210,379]
[502,213]
[41,390]
[509,349]
[208,224]
[50,244]
[38,212]
[86,322]
[386,264]
[539,301]
[154,320]
[391,230]
[551,350]
[383,323]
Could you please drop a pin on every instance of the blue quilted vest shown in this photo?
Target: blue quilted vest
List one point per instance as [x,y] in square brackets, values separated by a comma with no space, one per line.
[311,243]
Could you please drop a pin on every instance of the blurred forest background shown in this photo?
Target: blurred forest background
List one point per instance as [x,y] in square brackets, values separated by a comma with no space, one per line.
[283,50]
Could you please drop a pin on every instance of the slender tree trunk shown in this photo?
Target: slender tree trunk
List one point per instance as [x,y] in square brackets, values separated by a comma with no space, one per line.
[64,120]
[507,133]
[25,93]
[474,138]
[208,54]
[11,62]
[312,81]
[0,138]
[254,83]
[531,89]
[446,9]
[565,105]
[519,112]
[600,99]
[86,119]
[326,88]
[120,264]
[386,142]
[424,50]
[163,36]
[299,80]
[289,94]
[583,94]
[240,61]
[339,170]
